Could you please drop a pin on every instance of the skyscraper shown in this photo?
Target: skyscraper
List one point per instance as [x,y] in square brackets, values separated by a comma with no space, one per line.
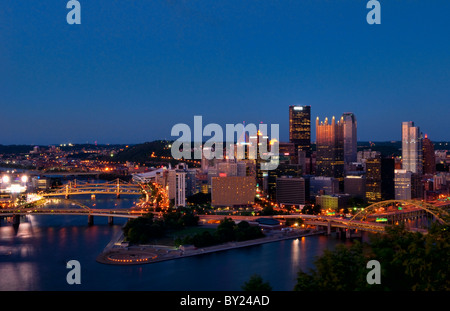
[411,148]
[429,159]
[350,141]
[330,148]
[300,128]
[373,179]
[290,190]
[403,184]
[380,179]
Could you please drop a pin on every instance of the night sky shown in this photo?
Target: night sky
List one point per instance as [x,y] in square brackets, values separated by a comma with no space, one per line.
[135,68]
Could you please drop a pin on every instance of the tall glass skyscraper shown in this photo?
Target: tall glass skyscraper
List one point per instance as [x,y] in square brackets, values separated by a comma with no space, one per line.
[300,128]
[350,141]
[330,148]
[411,148]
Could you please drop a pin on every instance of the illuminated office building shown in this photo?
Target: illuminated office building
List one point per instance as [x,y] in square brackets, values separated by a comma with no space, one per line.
[380,179]
[355,186]
[411,148]
[403,184]
[177,187]
[350,141]
[300,128]
[373,179]
[233,191]
[429,159]
[290,191]
[330,148]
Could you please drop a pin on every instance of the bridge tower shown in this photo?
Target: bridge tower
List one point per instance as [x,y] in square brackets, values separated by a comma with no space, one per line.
[118,188]
[67,190]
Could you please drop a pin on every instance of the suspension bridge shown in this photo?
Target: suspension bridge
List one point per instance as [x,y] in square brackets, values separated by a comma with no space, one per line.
[116,187]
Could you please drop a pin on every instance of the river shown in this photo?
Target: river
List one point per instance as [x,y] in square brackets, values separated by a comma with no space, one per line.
[34,257]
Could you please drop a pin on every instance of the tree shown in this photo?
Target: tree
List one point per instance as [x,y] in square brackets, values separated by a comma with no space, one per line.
[409,261]
[340,270]
[256,284]
[225,230]
[243,231]
[142,229]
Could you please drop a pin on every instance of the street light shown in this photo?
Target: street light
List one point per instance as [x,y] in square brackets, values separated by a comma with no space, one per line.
[24,178]
[5,179]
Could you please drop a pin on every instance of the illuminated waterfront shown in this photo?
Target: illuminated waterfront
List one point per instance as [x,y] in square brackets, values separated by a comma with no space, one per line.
[35,258]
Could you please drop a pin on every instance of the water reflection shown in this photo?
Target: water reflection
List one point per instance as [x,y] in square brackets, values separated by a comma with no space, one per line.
[35,258]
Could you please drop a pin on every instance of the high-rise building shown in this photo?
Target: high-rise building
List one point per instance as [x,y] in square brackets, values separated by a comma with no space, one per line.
[286,152]
[429,159]
[290,191]
[233,191]
[387,179]
[373,179]
[411,148]
[300,127]
[350,141]
[292,170]
[379,179]
[177,187]
[403,184]
[323,185]
[330,148]
[355,186]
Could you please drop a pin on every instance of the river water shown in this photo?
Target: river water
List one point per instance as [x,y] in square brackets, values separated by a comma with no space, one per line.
[34,257]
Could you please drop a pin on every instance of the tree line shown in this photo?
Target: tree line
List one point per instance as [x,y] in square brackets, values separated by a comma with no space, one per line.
[409,262]
[142,229]
[227,231]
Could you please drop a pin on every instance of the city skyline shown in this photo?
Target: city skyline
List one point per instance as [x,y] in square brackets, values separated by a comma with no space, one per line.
[129,72]
[191,147]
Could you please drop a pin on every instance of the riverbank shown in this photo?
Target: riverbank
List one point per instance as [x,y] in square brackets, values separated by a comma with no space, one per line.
[116,253]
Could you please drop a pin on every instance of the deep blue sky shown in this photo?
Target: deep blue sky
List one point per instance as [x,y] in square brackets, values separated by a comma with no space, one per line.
[135,68]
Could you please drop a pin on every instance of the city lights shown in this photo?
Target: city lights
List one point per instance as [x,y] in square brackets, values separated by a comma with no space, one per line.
[5,179]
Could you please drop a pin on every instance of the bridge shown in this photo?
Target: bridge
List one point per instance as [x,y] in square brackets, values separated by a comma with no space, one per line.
[392,212]
[116,187]
[39,208]
[376,217]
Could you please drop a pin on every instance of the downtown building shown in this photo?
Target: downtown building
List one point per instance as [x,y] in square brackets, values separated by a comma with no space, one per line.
[233,191]
[429,159]
[300,128]
[408,180]
[300,136]
[355,186]
[330,148]
[290,191]
[350,139]
[411,148]
[380,174]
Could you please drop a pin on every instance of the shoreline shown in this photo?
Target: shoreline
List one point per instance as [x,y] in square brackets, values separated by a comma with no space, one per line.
[146,254]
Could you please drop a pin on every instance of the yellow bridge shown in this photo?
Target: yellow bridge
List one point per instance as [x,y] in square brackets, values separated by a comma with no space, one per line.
[40,208]
[117,187]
